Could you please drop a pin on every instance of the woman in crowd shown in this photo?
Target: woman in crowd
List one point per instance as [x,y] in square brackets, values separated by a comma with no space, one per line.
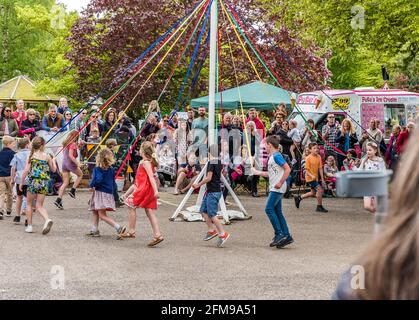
[392,156]
[277,124]
[286,142]
[94,123]
[252,142]
[110,119]
[31,125]
[347,140]
[8,125]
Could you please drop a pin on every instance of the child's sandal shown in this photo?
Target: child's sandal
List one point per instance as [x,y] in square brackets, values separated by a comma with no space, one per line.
[155,241]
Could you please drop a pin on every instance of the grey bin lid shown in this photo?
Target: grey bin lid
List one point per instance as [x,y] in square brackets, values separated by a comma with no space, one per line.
[353,184]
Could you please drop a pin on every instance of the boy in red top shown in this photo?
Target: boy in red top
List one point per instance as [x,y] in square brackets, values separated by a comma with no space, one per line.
[314,170]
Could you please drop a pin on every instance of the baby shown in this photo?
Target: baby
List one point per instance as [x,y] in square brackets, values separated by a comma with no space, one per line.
[294,134]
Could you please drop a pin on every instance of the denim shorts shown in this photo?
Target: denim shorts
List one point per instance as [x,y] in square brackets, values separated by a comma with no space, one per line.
[314,184]
[210,204]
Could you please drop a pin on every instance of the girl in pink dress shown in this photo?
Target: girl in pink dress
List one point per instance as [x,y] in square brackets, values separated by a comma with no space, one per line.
[144,194]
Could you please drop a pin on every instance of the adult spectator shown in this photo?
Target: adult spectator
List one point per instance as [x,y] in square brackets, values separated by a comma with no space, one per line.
[174,122]
[286,142]
[31,125]
[187,174]
[253,116]
[109,122]
[227,130]
[282,109]
[151,126]
[200,132]
[1,107]
[373,134]
[124,136]
[277,124]
[95,124]
[236,123]
[63,106]
[69,123]
[53,121]
[347,139]
[310,134]
[404,137]
[392,156]
[252,141]
[19,115]
[191,118]
[330,132]
[8,125]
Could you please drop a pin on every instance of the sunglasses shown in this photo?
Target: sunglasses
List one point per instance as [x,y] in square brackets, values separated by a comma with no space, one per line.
[31,114]
[7,110]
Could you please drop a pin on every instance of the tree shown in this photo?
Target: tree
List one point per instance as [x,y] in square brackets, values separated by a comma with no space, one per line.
[362,36]
[109,35]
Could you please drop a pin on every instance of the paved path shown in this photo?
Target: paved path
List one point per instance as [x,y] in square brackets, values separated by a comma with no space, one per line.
[183,266]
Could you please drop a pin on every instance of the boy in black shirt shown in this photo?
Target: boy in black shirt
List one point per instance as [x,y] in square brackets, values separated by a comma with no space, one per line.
[213,195]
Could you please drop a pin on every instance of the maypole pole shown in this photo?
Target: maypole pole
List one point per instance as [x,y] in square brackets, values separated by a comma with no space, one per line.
[212,72]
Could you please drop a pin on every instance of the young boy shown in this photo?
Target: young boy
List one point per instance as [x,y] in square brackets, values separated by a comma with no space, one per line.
[6,156]
[213,195]
[314,168]
[278,172]
[18,165]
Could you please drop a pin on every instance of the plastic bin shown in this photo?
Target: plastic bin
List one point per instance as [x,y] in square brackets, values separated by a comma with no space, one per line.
[362,183]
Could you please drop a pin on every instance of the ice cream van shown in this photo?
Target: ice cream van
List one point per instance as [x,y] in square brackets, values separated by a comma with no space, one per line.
[390,107]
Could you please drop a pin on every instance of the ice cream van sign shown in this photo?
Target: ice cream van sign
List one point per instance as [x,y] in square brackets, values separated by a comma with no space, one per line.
[341,103]
[380,100]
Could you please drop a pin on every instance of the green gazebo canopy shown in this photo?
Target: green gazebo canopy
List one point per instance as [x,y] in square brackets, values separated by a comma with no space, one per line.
[256,95]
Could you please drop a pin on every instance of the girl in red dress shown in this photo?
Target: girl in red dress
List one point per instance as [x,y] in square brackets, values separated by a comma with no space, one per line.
[144,194]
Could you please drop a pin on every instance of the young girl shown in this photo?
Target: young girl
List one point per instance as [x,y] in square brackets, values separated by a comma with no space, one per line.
[144,194]
[330,170]
[182,140]
[70,165]
[37,170]
[103,185]
[372,162]
[294,134]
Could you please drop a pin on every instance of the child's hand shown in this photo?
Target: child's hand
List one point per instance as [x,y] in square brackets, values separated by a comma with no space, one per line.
[156,194]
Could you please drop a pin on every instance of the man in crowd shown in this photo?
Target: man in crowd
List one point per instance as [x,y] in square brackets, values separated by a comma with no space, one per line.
[200,132]
[19,115]
[260,127]
[63,107]
[373,134]
[191,117]
[329,132]
[53,121]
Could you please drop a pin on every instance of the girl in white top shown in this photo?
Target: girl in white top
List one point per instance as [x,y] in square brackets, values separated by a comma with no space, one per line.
[372,162]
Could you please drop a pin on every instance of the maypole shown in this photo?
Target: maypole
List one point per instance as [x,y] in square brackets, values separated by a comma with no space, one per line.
[212,72]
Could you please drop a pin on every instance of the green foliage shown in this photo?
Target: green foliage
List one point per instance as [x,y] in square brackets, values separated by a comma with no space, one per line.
[389,37]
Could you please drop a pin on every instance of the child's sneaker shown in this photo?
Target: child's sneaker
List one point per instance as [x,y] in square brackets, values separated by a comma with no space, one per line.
[121,230]
[297,200]
[59,203]
[16,220]
[72,193]
[223,239]
[321,209]
[94,234]
[47,227]
[29,229]
[210,235]
[285,242]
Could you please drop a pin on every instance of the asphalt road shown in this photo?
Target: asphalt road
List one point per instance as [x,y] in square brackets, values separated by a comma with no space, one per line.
[65,264]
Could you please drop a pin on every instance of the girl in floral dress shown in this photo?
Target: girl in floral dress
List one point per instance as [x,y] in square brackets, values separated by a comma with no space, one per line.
[37,170]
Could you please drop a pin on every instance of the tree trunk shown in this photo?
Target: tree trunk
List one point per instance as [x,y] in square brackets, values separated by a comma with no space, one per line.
[5,11]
